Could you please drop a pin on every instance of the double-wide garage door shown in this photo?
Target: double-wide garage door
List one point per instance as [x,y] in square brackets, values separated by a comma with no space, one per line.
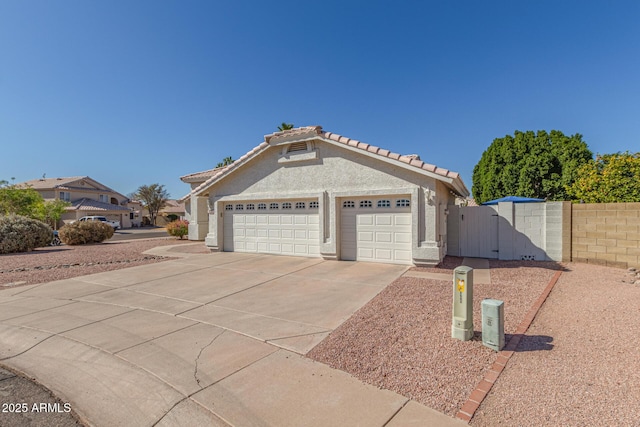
[376,230]
[273,227]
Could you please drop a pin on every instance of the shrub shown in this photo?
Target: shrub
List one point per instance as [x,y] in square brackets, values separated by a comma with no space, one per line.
[22,234]
[179,228]
[80,233]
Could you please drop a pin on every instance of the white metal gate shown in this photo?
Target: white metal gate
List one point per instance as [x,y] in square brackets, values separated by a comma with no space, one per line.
[478,231]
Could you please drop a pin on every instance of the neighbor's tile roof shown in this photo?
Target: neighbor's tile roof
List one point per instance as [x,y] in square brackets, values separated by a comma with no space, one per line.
[48,183]
[173,206]
[411,160]
[94,205]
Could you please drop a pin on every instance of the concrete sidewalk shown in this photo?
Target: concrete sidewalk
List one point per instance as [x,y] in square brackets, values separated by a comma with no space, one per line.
[214,339]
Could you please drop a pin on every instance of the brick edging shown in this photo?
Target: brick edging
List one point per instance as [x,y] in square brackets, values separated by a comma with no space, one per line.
[469,408]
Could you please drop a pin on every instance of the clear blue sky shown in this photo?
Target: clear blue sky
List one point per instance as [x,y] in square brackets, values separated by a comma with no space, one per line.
[138,92]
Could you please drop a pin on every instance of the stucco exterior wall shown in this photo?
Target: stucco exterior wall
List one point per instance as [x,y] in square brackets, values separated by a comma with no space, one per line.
[334,173]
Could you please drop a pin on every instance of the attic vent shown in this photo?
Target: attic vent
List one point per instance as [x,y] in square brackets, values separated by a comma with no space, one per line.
[297,146]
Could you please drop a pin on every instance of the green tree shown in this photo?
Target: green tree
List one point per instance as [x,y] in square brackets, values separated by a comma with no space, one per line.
[225,162]
[529,164]
[50,211]
[285,126]
[611,178]
[17,200]
[154,197]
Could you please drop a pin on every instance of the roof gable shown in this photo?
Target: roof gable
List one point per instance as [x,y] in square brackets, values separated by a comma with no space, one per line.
[411,162]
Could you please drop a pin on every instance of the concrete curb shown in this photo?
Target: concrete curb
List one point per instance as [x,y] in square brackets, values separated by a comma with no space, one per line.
[474,401]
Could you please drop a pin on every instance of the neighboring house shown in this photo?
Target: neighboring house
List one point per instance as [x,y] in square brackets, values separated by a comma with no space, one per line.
[308,192]
[87,197]
[173,210]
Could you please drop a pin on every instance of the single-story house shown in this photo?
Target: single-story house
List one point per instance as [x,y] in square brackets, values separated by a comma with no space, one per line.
[313,193]
[172,210]
[87,197]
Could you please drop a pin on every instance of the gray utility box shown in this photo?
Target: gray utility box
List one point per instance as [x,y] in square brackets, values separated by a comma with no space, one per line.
[493,324]
[462,321]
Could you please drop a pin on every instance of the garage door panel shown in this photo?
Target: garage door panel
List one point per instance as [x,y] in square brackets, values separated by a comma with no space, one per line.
[369,233]
[364,219]
[402,255]
[274,219]
[402,237]
[384,254]
[273,234]
[292,232]
[384,219]
[365,253]
[403,220]
[275,247]
[384,237]
[287,248]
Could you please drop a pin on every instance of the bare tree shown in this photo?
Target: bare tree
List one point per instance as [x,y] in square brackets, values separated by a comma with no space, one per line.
[154,197]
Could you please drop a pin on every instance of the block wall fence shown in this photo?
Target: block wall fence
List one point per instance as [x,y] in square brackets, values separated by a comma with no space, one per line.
[605,234]
[595,233]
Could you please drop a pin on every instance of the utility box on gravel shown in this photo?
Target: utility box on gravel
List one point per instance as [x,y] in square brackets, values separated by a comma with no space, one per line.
[493,324]
[462,322]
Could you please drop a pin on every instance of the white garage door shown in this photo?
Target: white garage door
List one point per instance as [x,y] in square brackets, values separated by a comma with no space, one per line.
[272,227]
[376,230]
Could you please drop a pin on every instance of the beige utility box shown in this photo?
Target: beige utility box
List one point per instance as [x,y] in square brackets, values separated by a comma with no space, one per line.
[462,324]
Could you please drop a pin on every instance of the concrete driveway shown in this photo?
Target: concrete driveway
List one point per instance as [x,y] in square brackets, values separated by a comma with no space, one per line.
[214,339]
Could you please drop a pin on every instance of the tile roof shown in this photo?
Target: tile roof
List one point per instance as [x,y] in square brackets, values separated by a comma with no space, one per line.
[94,205]
[64,184]
[317,132]
[47,183]
[173,206]
[201,176]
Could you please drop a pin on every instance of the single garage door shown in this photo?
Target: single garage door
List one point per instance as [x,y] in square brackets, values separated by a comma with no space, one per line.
[272,227]
[376,230]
